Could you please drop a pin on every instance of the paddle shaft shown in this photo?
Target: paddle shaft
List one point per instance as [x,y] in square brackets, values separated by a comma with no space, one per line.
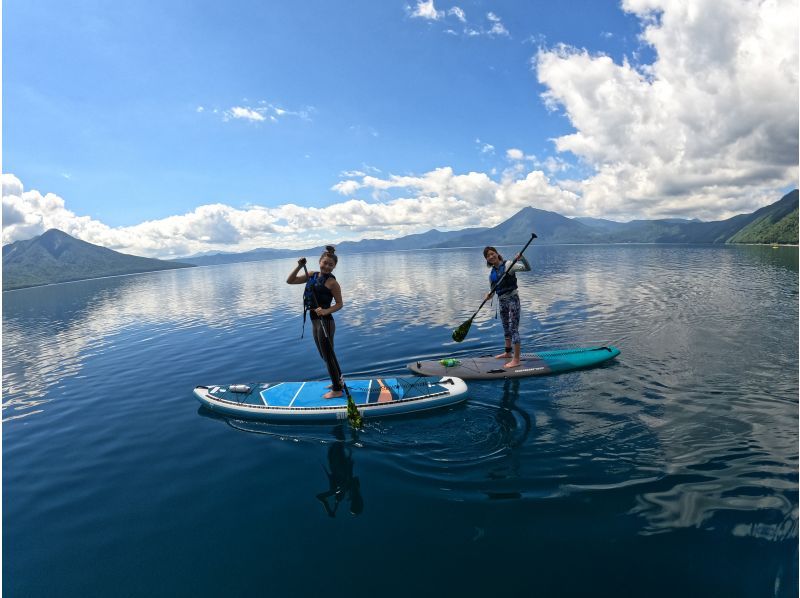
[516,259]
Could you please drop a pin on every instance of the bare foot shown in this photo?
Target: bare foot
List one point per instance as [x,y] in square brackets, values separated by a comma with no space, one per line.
[514,363]
[334,394]
[505,355]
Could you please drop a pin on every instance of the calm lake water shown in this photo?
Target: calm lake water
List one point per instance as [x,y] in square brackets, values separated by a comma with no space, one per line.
[672,471]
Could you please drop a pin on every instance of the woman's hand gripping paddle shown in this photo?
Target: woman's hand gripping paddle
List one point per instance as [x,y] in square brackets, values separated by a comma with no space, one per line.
[460,333]
[353,416]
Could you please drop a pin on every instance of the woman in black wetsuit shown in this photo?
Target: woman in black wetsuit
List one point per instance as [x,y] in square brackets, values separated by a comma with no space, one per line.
[322,287]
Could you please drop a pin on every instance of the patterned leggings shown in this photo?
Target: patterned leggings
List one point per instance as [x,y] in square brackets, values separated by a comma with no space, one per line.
[509,314]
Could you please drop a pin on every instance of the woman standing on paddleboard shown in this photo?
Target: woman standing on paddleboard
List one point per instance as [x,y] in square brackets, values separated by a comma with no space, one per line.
[322,290]
[508,296]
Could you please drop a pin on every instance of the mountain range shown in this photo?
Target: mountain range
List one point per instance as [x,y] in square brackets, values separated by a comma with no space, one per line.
[775,223]
[54,256]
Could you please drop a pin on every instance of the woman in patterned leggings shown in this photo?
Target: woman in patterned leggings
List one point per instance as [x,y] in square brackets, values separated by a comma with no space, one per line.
[508,297]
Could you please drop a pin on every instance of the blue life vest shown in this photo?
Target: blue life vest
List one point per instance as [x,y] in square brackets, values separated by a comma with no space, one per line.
[509,282]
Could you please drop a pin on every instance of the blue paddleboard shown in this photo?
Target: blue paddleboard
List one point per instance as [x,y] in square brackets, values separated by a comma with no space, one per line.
[302,401]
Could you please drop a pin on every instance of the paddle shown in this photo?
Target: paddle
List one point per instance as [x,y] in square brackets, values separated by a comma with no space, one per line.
[460,333]
[353,416]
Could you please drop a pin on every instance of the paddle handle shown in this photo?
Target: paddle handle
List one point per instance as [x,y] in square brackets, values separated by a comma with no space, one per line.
[516,259]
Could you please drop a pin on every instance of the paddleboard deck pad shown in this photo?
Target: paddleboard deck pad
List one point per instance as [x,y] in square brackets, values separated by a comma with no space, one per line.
[542,363]
[303,402]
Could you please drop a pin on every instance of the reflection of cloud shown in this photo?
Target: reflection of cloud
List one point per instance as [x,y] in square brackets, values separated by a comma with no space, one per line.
[40,353]
[694,504]
[45,345]
[716,442]
[452,283]
[50,332]
[712,475]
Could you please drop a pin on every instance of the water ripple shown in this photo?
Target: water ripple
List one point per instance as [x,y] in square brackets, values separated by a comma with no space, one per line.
[694,427]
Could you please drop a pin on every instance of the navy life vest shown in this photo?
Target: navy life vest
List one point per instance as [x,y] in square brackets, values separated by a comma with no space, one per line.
[509,282]
[317,291]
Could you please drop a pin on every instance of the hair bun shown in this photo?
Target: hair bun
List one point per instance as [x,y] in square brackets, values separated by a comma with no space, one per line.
[330,249]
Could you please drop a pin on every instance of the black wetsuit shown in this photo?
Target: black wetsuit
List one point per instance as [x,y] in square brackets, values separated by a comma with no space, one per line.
[322,297]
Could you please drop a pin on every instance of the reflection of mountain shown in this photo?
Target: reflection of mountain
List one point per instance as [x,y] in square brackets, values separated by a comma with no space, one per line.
[57,257]
[776,223]
[47,331]
[251,319]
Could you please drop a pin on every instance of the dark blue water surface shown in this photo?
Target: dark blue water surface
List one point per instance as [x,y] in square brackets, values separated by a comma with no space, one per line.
[671,472]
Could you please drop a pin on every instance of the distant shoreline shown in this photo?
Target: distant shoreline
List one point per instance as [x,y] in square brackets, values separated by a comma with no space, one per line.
[477,247]
[51,284]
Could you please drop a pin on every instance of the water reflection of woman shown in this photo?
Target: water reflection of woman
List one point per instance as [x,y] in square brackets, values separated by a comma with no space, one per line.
[505,472]
[341,481]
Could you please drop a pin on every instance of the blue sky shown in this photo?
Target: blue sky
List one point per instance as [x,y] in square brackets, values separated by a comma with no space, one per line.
[165,128]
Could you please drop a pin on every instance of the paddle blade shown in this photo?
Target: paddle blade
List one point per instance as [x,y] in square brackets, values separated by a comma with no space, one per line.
[353,416]
[460,333]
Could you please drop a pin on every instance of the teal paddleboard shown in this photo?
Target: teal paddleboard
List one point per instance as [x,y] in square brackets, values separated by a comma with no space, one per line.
[541,363]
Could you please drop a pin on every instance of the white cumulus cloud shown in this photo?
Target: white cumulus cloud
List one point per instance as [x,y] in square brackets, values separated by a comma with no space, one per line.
[492,27]
[497,27]
[245,113]
[710,126]
[439,198]
[261,111]
[458,13]
[709,129]
[346,187]
[29,213]
[426,10]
